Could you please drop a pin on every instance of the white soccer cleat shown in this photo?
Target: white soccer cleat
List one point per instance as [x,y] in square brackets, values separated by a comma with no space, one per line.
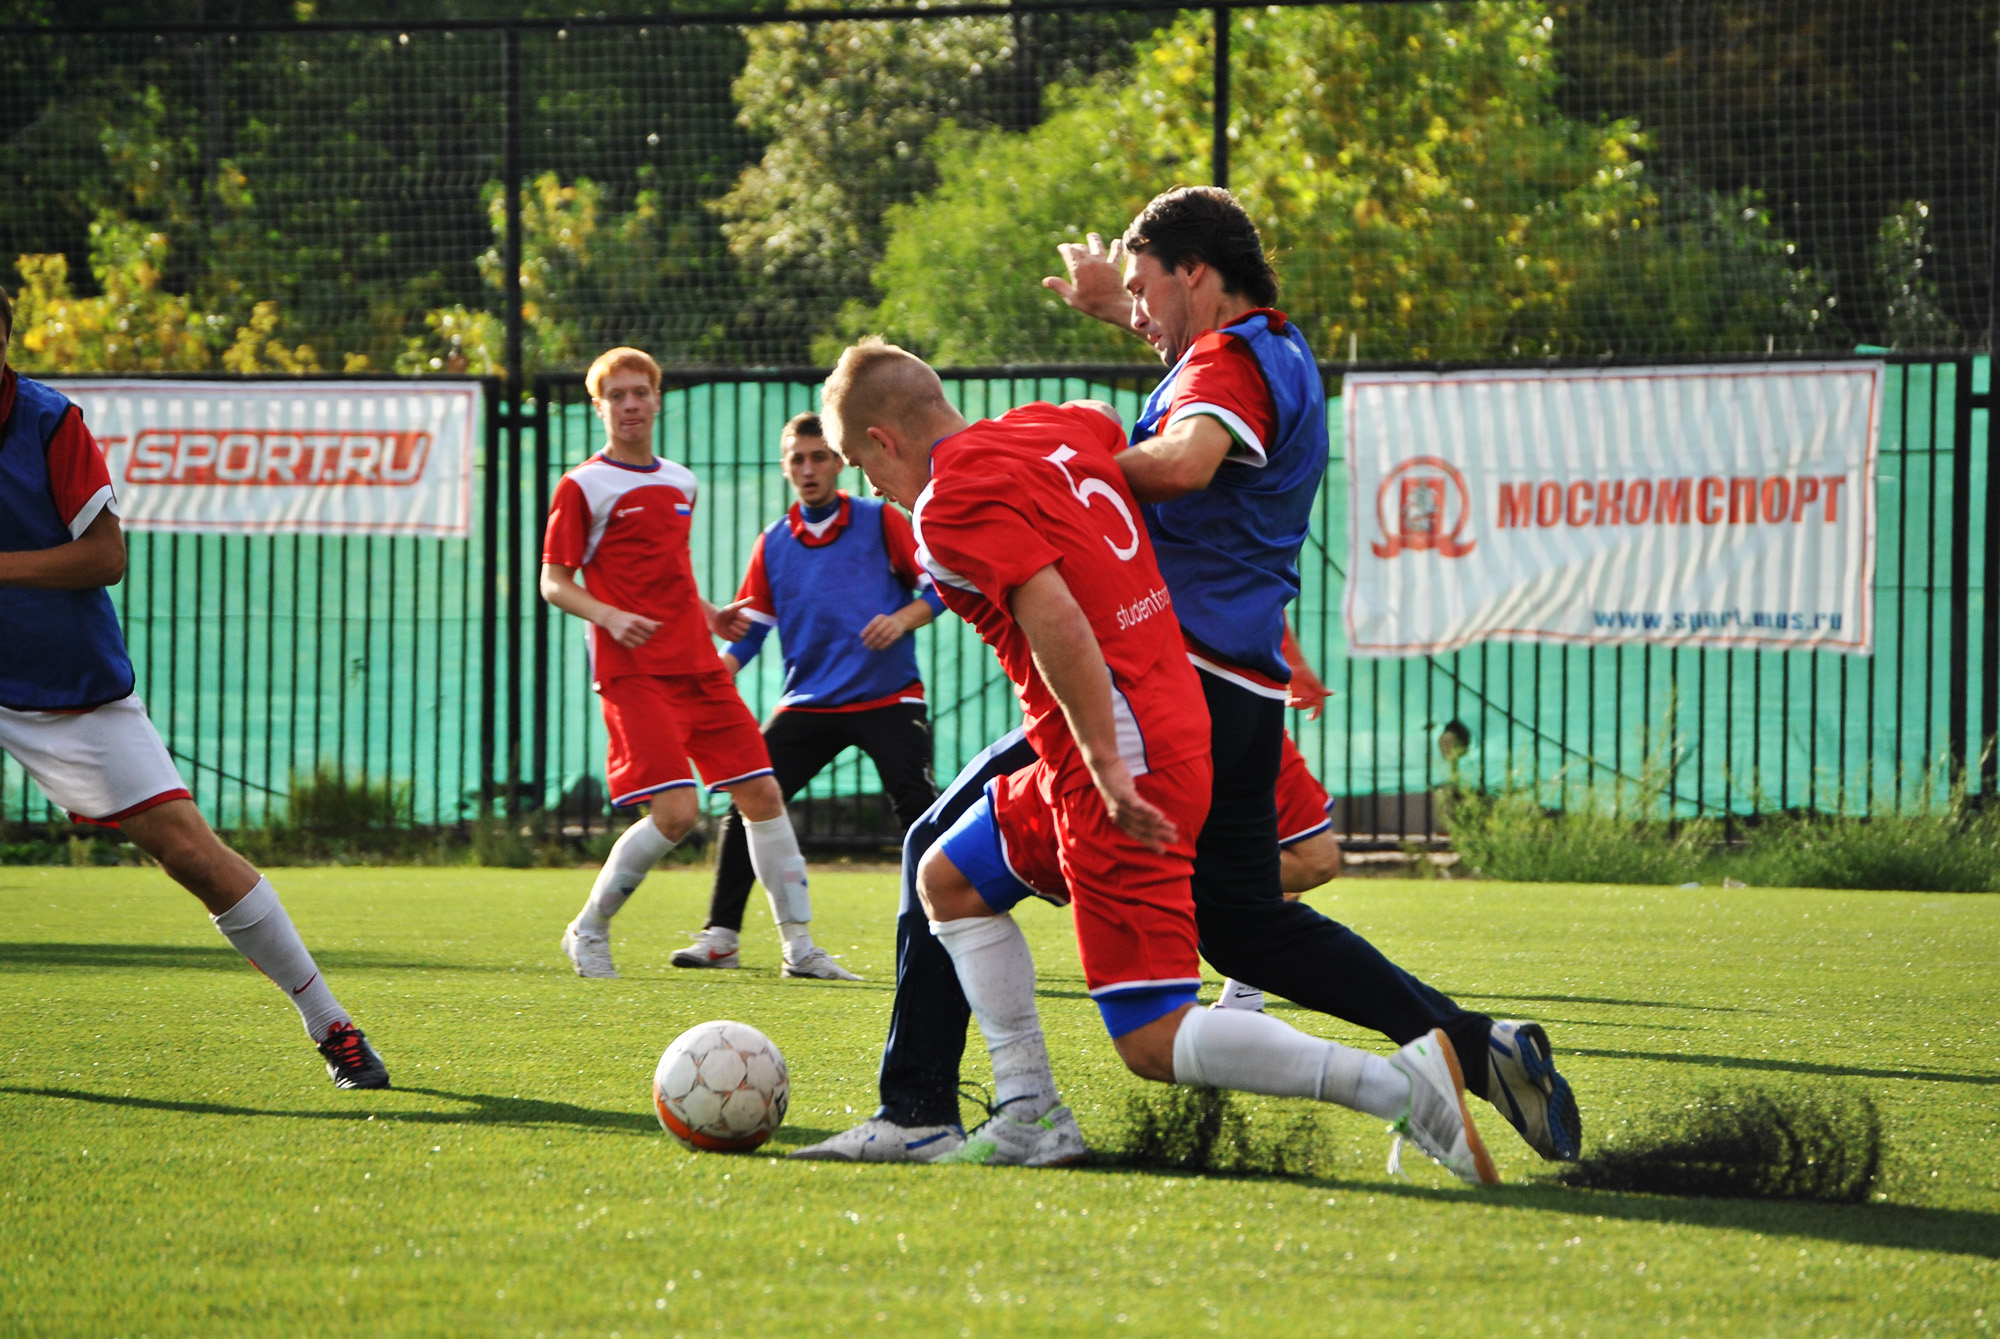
[817,964]
[713,947]
[1436,1118]
[1236,995]
[878,1140]
[590,954]
[1051,1141]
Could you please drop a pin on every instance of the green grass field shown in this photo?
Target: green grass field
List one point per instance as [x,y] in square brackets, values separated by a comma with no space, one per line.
[176,1163]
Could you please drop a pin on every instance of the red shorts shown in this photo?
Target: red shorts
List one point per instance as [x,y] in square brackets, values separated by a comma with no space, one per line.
[1134,909]
[659,722]
[1302,803]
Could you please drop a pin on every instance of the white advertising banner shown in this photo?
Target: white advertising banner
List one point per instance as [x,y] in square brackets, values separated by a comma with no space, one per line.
[1722,506]
[284,457]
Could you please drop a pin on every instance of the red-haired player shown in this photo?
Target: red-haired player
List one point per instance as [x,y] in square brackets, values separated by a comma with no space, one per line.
[620,521]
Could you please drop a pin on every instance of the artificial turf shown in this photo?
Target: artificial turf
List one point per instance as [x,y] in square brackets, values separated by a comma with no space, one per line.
[175,1161]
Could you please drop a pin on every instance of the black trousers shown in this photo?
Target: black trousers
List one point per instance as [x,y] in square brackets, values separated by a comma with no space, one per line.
[897,739]
[1247,929]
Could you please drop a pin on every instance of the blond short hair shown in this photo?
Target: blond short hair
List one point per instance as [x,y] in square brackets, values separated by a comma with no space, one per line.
[877,383]
[618,360]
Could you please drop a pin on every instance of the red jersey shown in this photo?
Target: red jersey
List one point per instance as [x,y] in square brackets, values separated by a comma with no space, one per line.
[624,528]
[1037,487]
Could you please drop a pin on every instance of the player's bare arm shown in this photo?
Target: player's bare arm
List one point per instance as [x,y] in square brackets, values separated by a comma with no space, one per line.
[1094,286]
[1072,664]
[560,588]
[885,630]
[93,559]
[1181,460]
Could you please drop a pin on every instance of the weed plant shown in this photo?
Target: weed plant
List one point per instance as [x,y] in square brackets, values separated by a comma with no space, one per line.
[1206,1130]
[1823,1143]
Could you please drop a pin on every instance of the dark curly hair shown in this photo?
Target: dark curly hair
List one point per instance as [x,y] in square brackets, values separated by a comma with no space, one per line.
[1191,224]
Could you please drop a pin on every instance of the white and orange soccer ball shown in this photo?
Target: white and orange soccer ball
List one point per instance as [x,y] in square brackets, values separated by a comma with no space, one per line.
[721,1087]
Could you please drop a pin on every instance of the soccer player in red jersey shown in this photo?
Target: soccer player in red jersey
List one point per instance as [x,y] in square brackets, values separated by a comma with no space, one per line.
[69,716]
[620,521]
[1032,535]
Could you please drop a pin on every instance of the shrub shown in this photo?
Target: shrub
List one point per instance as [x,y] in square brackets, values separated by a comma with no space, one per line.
[1590,839]
[1934,843]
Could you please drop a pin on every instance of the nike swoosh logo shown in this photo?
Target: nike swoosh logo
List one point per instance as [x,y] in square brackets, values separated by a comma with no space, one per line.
[309,980]
[627,511]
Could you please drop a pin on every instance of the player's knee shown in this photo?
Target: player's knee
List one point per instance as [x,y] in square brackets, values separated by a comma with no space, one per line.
[1149,1051]
[759,798]
[946,893]
[1308,865]
[674,812]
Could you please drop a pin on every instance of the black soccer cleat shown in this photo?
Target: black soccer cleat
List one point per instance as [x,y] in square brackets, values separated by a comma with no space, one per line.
[350,1061]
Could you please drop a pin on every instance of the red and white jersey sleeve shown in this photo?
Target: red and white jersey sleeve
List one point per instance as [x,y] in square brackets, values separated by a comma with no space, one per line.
[900,539]
[79,480]
[1037,488]
[1221,378]
[624,529]
[756,587]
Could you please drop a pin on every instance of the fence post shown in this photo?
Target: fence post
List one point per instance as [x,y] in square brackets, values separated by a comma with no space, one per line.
[1219,164]
[1957,707]
[489,602]
[538,768]
[511,185]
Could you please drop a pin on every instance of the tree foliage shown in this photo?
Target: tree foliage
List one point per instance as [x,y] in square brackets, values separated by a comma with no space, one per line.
[1407,165]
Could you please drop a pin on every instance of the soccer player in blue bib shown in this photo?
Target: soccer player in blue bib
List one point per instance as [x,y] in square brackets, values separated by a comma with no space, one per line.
[1226,456]
[837,578]
[69,716]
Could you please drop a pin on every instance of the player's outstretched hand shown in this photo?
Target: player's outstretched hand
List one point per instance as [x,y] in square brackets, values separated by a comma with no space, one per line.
[732,621]
[1306,693]
[1096,282]
[882,632]
[632,630]
[1132,813]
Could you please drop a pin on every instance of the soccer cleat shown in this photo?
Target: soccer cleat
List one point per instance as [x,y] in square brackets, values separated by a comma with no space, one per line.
[1522,1082]
[590,954]
[350,1061]
[1050,1141]
[1436,1118]
[818,965]
[1236,995]
[878,1140]
[711,948]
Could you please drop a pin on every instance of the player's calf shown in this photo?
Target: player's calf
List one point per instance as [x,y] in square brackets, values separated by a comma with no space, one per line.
[246,910]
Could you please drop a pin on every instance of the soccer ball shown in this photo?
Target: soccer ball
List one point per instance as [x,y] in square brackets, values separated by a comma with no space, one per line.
[721,1087]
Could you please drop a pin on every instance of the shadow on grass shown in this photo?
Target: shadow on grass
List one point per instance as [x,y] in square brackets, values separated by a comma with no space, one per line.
[1901,1226]
[1897,1226]
[486,1109]
[1787,1066]
[1602,999]
[44,956]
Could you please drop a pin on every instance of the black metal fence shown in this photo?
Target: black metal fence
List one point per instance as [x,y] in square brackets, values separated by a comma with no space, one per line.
[432,666]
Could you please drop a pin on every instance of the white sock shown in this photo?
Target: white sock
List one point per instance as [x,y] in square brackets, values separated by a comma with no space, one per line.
[1255,1053]
[998,975]
[263,933]
[631,860]
[1236,995]
[774,855]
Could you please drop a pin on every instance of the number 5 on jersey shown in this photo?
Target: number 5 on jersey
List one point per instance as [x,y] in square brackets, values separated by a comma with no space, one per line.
[1096,488]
